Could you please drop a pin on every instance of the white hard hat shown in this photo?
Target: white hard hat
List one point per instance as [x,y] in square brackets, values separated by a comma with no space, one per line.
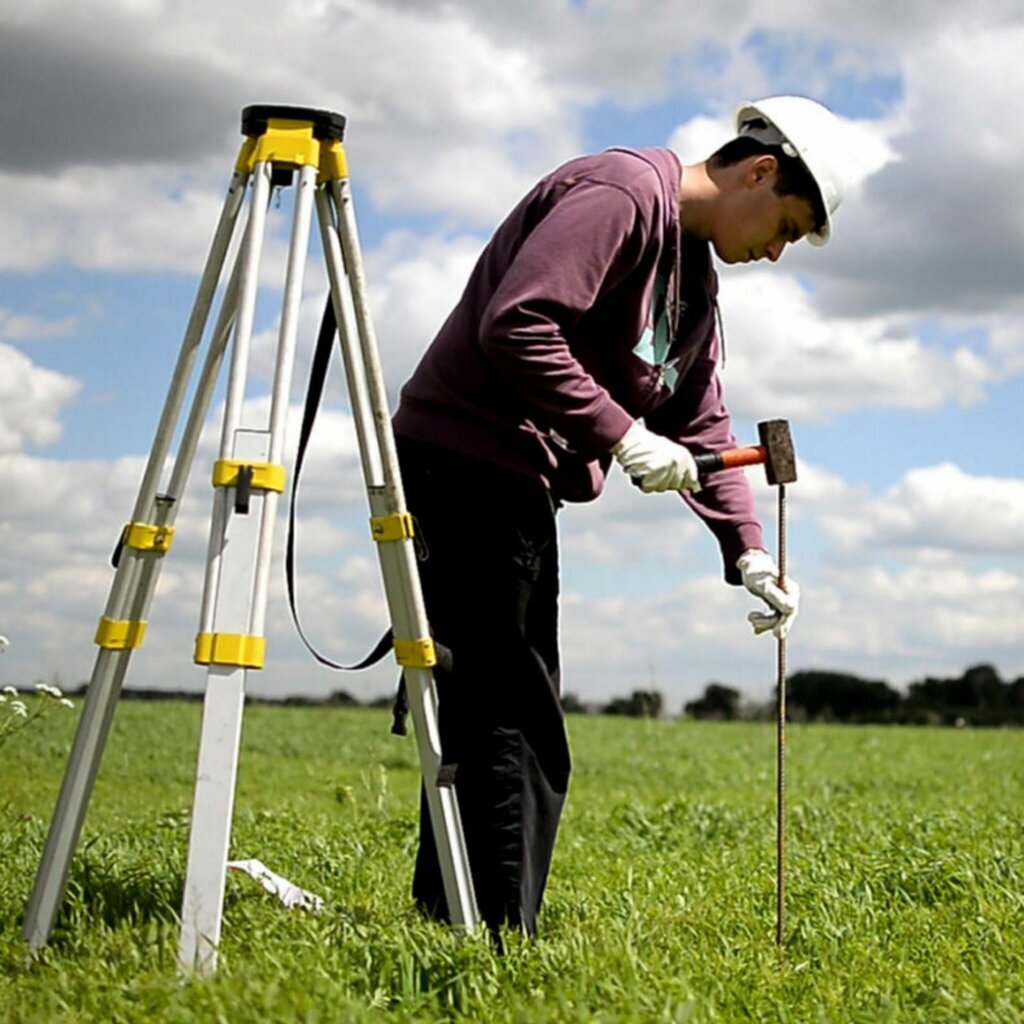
[805,129]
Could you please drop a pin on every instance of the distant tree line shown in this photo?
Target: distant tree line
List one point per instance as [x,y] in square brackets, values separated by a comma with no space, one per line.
[978,697]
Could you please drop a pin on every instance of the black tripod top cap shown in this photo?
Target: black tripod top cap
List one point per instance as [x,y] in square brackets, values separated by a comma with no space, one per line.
[326,124]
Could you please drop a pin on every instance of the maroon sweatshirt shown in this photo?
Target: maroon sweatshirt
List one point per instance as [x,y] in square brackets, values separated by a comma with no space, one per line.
[587,310]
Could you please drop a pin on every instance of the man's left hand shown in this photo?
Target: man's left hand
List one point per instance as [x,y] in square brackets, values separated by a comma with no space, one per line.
[761,577]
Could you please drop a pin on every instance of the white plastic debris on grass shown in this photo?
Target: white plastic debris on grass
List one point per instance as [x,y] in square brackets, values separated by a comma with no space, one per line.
[288,893]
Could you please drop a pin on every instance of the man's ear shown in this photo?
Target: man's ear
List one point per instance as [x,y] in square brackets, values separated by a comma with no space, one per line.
[761,169]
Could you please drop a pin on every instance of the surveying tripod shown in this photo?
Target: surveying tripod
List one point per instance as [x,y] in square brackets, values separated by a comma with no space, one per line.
[248,477]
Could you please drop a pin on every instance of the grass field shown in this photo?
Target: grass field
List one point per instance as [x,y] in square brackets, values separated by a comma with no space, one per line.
[905,865]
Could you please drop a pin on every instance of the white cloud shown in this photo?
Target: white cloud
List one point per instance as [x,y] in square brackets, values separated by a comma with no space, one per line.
[456,109]
[126,219]
[699,137]
[785,358]
[899,624]
[442,118]
[627,528]
[29,327]
[675,639]
[911,590]
[31,401]
[932,619]
[414,283]
[935,508]
[1006,341]
[942,229]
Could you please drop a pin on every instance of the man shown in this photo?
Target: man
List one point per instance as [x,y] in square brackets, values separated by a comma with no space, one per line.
[586,335]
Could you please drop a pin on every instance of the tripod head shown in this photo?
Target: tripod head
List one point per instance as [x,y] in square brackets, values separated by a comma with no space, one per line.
[322,125]
[326,124]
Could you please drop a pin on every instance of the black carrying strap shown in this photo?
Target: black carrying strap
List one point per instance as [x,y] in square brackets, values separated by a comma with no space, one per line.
[314,392]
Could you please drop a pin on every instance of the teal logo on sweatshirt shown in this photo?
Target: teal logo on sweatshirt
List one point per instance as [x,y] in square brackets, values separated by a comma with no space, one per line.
[653,345]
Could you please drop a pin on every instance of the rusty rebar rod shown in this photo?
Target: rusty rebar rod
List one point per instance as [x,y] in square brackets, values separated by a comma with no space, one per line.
[780,747]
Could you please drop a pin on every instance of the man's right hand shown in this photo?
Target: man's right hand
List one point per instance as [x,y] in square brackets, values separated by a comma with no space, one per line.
[654,462]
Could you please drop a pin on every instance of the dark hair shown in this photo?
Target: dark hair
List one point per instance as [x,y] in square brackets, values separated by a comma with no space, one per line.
[793,177]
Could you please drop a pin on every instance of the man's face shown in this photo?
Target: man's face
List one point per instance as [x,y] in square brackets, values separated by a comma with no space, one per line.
[757,223]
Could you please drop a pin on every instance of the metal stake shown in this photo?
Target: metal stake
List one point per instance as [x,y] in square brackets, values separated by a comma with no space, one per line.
[780,747]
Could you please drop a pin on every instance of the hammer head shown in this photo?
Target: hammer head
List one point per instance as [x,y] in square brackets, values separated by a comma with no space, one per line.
[780,459]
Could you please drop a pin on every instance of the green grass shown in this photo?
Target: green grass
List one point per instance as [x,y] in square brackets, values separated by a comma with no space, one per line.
[905,865]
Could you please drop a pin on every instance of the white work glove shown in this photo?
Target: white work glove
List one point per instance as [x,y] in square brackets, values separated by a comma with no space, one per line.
[654,462]
[761,577]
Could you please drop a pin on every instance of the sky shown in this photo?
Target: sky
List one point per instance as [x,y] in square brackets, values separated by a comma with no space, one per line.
[896,352]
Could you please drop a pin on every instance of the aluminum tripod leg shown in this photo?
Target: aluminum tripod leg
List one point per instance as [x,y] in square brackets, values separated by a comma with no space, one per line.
[146,539]
[392,528]
[238,570]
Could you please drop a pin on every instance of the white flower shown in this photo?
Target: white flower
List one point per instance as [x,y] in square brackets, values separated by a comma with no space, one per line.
[10,691]
[19,709]
[50,691]
[64,702]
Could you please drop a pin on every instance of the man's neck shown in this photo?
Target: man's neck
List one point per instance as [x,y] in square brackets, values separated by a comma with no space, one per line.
[697,199]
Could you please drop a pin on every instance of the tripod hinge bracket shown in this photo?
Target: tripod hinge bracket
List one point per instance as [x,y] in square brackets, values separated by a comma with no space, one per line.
[284,142]
[120,634]
[293,144]
[237,649]
[415,653]
[395,527]
[266,476]
[147,537]
[333,165]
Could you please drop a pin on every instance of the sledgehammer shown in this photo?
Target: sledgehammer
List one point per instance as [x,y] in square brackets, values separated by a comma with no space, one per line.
[775,453]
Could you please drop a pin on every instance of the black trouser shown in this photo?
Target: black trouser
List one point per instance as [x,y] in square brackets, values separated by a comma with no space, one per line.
[490,584]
